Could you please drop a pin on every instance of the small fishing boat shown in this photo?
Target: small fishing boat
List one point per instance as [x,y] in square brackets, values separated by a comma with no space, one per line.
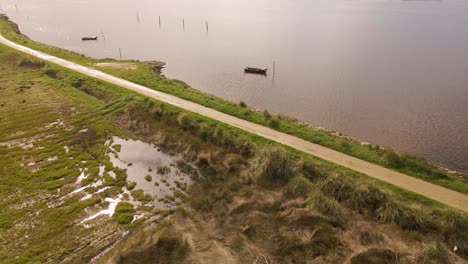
[255,70]
[88,38]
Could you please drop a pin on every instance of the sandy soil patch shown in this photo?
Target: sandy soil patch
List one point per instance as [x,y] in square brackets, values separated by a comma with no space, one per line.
[118,65]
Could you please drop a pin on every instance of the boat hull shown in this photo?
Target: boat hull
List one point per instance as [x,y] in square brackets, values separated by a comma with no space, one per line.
[255,71]
[89,38]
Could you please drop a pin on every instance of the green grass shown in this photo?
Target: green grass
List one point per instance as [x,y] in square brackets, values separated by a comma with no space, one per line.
[144,75]
[47,114]
[139,195]
[131,186]
[124,213]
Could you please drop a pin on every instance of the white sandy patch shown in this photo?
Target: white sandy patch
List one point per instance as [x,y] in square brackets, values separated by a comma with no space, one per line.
[101,170]
[82,176]
[88,196]
[52,158]
[118,65]
[109,211]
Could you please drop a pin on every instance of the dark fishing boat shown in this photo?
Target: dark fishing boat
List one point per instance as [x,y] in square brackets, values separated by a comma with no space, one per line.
[88,38]
[255,70]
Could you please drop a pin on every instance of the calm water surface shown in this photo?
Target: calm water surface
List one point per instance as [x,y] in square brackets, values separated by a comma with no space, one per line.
[394,73]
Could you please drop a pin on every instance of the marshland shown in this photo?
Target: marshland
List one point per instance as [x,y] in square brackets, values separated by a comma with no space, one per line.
[93,173]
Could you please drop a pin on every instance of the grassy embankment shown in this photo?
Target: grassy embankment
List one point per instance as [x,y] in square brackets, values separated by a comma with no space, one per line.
[41,155]
[144,75]
[39,226]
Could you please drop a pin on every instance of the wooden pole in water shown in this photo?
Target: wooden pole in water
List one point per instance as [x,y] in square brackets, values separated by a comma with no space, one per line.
[183,24]
[16,6]
[274,68]
[120,52]
[103,37]
[159,21]
[206,25]
[138,18]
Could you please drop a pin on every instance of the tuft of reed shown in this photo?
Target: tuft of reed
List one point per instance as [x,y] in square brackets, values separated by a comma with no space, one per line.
[389,212]
[329,207]
[367,199]
[276,167]
[309,170]
[406,218]
[369,237]
[435,252]
[337,186]
[185,121]
[452,223]
[300,186]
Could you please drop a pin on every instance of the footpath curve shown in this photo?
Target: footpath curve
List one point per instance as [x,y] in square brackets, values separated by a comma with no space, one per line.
[429,190]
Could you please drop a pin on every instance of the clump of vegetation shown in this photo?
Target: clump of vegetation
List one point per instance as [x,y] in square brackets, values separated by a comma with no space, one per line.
[131,186]
[5,221]
[210,195]
[323,204]
[185,121]
[309,170]
[300,186]
[390,212]
[117,147]
[124,213]
[242,104]
[52,73]
[275,167]
[141,196]
[452,223]
[163,170]
[266,114]
[376,256]
[169,248]
[274,122]
[435,252]
[337,186]
[394,160]
[414,221]
[369,237]
[148,178]
[109,180]
[165,212]
[31,63]
[367,199]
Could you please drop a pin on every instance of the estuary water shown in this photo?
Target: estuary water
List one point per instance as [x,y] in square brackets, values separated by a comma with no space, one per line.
[393,73]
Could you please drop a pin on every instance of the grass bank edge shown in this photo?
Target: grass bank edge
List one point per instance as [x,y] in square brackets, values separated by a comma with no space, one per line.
[144,75]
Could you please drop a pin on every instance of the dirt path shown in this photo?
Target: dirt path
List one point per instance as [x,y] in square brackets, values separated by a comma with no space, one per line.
[432,191]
